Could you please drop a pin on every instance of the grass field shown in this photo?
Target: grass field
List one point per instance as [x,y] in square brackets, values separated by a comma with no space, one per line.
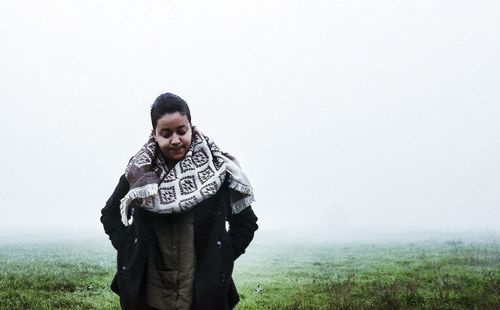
[441,274]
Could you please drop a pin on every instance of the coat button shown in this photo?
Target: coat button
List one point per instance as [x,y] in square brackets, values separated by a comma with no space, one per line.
[219,244]
[124,268]
[135,240]
[223,277]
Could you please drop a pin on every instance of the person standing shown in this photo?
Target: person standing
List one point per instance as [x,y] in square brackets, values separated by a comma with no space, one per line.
[167,218]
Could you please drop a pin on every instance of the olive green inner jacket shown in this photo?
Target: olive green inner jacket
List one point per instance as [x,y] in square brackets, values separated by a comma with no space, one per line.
[172,262]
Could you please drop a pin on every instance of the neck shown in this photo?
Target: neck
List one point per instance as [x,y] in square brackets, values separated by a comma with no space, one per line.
[170,163]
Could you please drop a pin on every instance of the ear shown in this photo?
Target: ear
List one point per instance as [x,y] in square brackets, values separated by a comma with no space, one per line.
[154,134]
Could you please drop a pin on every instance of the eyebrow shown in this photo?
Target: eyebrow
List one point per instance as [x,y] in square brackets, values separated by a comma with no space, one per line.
[168,129]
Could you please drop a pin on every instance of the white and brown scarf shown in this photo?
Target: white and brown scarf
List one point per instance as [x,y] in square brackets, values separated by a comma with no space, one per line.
[196,177]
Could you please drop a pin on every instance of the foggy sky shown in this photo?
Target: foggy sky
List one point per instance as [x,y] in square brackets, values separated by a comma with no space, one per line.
[347,116]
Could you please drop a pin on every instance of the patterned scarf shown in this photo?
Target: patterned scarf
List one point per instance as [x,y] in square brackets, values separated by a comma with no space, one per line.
[196,177]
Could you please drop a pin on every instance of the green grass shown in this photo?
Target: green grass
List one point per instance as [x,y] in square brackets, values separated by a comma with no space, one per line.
[62,275]
[453,274]
[432,275]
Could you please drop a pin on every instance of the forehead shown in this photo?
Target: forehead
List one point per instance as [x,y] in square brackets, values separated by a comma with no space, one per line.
[172,121]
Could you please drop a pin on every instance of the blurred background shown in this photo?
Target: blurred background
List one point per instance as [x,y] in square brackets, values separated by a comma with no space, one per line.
[351,118]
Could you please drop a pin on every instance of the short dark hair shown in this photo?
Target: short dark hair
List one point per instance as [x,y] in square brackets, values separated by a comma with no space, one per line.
[168,103]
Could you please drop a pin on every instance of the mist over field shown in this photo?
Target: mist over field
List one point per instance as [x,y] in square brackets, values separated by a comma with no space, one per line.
[446,272]
[353,119]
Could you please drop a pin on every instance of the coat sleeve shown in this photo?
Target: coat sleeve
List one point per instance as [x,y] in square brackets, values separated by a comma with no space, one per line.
[242,227]
[110,214]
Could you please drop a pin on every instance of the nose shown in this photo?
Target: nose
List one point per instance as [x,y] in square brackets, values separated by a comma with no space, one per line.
[175,139]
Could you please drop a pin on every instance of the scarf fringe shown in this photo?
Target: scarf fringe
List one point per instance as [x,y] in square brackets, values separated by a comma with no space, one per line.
[135,193]
[242,204]
[240,187]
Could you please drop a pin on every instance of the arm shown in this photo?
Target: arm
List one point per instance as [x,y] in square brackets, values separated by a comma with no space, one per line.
[242,227]
[110,214]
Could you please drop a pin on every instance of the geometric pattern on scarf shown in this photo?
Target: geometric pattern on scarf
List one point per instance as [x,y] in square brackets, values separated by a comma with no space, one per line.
[196,177]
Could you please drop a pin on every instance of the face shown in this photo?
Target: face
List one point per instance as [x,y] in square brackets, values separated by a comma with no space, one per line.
[173,135]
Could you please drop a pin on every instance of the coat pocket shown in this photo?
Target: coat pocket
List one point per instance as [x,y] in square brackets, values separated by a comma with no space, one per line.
[126,249]
[164,278]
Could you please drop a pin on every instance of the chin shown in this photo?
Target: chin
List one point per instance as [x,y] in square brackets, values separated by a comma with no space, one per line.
[177,157]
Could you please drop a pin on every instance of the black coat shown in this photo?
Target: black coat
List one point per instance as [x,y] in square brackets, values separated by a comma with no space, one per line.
[216,249]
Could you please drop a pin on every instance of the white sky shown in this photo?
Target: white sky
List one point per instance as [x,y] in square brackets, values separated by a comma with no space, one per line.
[348,116]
